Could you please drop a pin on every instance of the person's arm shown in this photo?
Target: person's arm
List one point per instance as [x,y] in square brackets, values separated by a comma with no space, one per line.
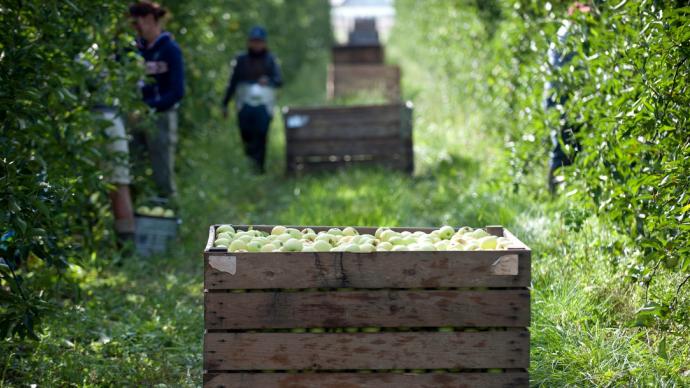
[232,83]
[175,93]
[275,77]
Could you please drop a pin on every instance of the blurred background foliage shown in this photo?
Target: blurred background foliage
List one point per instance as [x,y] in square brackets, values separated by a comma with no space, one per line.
[627,85]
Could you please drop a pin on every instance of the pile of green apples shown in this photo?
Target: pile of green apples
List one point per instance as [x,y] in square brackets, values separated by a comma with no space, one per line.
[284,239]
[156,211]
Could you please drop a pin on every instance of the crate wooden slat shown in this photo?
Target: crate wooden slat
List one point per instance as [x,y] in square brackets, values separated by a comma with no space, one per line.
[385,308]
[345,80]
[375,270]
[360,54]
[347,147]
[333,137]
[366,380]
[409,295]
[345,351]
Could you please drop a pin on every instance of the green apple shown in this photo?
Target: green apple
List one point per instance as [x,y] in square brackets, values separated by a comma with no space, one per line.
[322,246]
[269,248]
[278,230]
[335,231]
[366,248]
[308,248]
[397,241]
[254,246]
[294,233]
[423,246]
[293,245]
[472,246]
[325,237]
[157,211]
[168,213]
[283,238]
[371,329]
[298,330]
[478,233]
[446,329]
[442,245]
[246,238]
[317,330]
[352,248]
[226,235]
[488,242]
[399,248]
[352,330]
[349,231]
[221,242]
[378,232]
[308,231]
[446,232]
[237,245]
[145,210]
[384,246]
[387,235]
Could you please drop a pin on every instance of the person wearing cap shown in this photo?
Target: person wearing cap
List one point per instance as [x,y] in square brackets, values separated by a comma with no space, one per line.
[563,138]
[255,76]
[162,91]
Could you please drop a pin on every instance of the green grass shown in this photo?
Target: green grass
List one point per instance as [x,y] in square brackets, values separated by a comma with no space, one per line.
[140,321]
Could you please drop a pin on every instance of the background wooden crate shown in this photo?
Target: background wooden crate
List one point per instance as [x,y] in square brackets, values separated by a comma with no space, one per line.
[368,54]
[326,138]
[410,295]
[347,80]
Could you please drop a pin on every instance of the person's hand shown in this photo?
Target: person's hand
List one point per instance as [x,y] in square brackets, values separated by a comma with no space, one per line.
[225,112]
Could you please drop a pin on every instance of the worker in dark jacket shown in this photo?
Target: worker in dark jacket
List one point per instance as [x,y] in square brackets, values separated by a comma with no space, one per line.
[255,76]
[162,91]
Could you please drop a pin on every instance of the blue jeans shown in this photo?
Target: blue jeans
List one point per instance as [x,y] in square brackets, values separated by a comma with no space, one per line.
[254,122]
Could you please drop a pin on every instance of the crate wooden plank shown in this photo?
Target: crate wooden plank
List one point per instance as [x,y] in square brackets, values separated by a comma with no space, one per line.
[345,351]
[371,270]
[366,380]
[328,163]
[348,79]
[373,54]
[387,308]
[383,112]
[380,146]
[360,131]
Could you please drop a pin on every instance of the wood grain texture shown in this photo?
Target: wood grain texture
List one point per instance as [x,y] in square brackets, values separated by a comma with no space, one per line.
[386,308]
[375,146]
[351,79]
[367,380]
[386,350]
[371,54]
[370,270]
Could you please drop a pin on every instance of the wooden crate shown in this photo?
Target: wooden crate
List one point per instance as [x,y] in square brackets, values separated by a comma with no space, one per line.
[410,295]
[325,138]
[347,80]
[367,54]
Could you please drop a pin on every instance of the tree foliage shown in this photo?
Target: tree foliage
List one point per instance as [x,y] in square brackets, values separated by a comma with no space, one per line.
[627,85]
[57,60]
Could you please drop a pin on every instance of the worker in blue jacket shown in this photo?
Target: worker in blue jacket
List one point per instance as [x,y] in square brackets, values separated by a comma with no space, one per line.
[255,76]
[162,91]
